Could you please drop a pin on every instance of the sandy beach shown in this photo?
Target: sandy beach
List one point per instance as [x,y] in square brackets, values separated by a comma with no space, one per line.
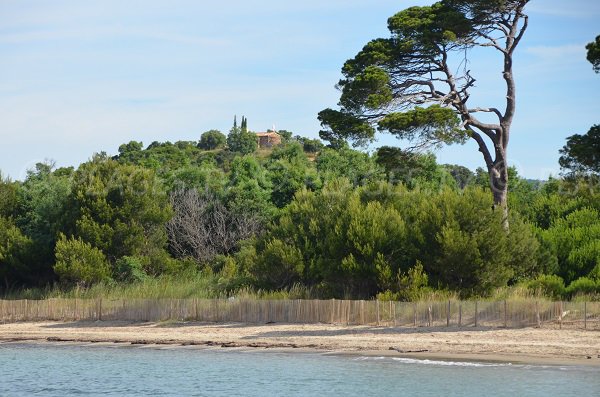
[529,345]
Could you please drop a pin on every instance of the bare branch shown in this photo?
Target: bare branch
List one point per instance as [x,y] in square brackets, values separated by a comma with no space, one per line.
[482,148]
[488,110]
[202,227]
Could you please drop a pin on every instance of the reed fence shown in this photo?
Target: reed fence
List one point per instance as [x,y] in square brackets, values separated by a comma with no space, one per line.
[507,314]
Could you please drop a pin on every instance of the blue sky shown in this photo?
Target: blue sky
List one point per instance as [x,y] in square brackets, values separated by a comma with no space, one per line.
[80,77]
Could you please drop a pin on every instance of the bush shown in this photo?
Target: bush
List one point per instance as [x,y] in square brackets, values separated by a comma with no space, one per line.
[413,284]
[583,286]
[551,286]
[242,142]
[77,262]
[211,140]
[129,269]
[312,145]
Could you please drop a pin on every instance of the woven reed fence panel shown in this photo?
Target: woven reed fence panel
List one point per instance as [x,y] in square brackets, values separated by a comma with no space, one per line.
[508,314]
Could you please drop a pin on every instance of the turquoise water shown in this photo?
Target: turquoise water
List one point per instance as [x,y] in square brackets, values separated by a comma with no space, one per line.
[55,370]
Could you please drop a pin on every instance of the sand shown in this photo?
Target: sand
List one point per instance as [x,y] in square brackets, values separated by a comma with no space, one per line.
[528,345]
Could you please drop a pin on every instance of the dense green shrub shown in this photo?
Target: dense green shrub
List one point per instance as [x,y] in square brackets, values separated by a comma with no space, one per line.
[551,286]
[78,263]
[575,240]
[129,269]
[583,286]
[361,241]
[14,254]
[211,140]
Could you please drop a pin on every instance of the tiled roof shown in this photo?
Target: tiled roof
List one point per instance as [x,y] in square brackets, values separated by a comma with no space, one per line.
[271,134]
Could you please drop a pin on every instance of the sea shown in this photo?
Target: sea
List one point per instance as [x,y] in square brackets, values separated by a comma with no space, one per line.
[104,370]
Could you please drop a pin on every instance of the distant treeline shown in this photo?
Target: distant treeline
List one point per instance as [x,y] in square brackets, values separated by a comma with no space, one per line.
[341,222]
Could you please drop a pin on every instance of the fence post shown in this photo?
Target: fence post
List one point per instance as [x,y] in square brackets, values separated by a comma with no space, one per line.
[377,312]
[415,314]
[448,314]
[429,316]
[505,315]
[475,313]
[560,314]
[585,315]
[99,309]
[362,312]
[460,314]
[332,310]
[537,314]
[394,311]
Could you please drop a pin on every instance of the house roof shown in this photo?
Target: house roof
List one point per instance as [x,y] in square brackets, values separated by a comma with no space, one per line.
[270,134]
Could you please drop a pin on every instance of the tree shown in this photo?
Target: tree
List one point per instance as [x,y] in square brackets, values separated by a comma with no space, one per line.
[44,211]
[593,53]
[413,169]
[581,154]
[249,189]
[240,140]
[386,84]
[359,167]
[462,175]
[131,151]
[212,139]
[285,134]
[8,196]
[310,145]
[121,210]
[14,252]
[202,227]
[77,262]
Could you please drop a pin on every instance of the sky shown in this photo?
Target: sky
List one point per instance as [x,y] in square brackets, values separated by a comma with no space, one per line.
[80,77]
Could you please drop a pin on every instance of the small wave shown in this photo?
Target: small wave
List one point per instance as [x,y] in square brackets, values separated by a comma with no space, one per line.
[449,363]
[406,360]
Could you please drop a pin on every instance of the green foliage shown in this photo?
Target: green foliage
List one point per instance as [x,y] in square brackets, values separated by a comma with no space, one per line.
[583,286]
[240,140]
[581,154]
[249,189]
[575,240]
[279,265]
[342,125]
[331,239]
[78,263]
[462,175]
[121,210]
[358,167]
[413,169]
[551,286]
[593,53]
[207,176]
[361,241]
[8,197]
[311,145]
[212,139]
[434,124]
[382,74]
[129,269]
[289,171]
[43,211]
[130,151]
[14,255]
[413,284]
[285,135]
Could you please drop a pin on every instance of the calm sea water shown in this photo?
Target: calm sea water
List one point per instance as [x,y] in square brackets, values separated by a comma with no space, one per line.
[51,370]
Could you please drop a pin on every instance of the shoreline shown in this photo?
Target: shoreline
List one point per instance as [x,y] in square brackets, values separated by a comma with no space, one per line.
[528,346]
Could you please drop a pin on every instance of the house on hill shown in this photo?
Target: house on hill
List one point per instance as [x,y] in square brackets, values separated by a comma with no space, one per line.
[268,139]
